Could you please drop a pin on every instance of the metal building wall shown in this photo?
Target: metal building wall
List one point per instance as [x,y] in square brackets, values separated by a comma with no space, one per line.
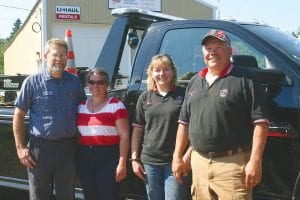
[97,11]
[189,9]
[91,11]
[89,33]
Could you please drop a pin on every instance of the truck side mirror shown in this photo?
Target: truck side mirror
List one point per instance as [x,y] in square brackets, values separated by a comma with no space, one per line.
[133,39]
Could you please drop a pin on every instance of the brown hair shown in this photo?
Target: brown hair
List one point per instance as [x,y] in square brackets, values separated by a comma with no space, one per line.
[159,59]
[98,71]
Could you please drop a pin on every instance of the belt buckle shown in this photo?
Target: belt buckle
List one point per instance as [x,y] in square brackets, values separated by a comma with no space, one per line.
[212,154]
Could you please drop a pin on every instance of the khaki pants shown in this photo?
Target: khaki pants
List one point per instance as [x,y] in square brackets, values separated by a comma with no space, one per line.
[220,178]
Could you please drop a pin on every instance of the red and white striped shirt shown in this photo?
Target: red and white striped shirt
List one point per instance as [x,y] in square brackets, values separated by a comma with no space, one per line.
[99,128]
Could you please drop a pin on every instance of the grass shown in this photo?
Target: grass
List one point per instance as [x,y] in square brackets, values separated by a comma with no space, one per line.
[10,165]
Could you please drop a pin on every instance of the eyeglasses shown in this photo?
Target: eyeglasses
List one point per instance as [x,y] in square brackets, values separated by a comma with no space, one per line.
[99,82]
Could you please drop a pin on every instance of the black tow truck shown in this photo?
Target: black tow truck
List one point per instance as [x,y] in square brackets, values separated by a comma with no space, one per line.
[272,55]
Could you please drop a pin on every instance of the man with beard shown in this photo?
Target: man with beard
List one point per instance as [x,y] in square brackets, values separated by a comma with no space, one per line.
[51,98]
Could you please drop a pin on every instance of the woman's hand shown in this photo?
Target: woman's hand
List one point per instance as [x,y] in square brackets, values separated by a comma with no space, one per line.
[138,169]
[121,172]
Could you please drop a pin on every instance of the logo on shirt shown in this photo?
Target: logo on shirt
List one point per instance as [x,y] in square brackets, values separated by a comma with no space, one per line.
[224,92]
[148,102]
[47,93]
[191,92]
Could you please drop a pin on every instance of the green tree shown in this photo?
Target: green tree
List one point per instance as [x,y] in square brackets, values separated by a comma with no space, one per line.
[16,28]
[3,43]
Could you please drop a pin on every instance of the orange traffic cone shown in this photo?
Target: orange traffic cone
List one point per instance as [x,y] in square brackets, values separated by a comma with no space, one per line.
[70,67]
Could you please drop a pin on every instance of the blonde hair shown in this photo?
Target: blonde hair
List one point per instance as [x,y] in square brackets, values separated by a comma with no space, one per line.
[156,60]
[55,42]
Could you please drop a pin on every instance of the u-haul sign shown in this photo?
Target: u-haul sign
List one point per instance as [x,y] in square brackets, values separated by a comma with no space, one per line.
[68,12]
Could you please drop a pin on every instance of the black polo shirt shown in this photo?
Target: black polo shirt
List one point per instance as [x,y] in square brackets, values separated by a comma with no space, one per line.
[221,116]
[158,115]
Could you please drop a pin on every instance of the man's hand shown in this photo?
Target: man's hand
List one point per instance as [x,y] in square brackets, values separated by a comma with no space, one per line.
[253,173]
[181,162]
[25,157]
[253,169]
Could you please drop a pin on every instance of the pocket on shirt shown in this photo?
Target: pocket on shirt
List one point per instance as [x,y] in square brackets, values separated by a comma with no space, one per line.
[45,102]
[48,103]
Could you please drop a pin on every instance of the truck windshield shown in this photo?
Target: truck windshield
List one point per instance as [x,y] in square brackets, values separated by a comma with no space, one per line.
[284,42]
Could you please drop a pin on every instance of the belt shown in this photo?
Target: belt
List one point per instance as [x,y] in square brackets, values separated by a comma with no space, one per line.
[229,152]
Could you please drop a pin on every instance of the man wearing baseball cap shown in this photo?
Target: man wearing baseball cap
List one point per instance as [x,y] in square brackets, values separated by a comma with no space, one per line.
[224,119]
[219,34]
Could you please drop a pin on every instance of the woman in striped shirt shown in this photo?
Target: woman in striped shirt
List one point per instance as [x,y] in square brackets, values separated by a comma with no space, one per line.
[104,140]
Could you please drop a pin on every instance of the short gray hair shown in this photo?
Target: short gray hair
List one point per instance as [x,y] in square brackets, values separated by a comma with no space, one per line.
[55,42]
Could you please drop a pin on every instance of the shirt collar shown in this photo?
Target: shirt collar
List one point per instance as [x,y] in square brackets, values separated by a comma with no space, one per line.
[173,88]
[225,71]
[48,76]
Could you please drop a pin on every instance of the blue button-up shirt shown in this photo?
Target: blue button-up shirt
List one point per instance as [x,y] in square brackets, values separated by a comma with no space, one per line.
[52,104]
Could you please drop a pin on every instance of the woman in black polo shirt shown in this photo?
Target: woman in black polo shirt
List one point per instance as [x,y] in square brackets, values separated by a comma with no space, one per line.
[154,131]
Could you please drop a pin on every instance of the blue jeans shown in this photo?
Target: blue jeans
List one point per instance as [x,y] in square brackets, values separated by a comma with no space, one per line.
[97,170]
[162,185]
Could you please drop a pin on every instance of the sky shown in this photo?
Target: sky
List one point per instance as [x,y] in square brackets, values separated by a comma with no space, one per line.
[10,11]
[284,15]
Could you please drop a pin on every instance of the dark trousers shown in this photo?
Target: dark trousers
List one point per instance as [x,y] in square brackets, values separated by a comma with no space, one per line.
[97,171]
[55,168]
